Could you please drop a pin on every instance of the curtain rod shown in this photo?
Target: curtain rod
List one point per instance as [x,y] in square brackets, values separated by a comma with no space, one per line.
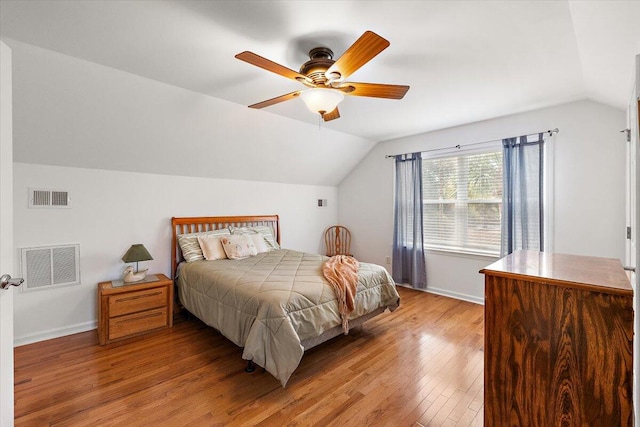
[550,132]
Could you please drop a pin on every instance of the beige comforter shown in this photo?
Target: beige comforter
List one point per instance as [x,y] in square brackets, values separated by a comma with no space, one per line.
[269,303]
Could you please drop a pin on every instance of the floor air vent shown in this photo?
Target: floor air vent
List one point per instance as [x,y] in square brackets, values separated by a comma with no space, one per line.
[48,267]
[46,198]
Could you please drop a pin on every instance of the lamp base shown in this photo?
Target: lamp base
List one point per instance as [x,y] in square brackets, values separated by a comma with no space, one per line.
[130,276]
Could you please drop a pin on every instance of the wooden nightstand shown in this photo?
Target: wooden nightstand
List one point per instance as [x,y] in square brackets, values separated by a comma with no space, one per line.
[129,310]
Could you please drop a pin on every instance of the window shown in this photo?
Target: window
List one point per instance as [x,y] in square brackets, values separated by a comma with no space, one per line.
[462,201]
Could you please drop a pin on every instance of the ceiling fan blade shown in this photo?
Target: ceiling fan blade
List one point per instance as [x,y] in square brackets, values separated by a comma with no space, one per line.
[362,51]
[374,90]
[269,65]
[335,114]
[276,100]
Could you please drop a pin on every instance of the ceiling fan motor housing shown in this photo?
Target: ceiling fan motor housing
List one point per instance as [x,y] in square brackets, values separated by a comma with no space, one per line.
[321,58]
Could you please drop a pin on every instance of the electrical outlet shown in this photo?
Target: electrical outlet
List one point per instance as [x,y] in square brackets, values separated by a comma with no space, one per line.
[388,260]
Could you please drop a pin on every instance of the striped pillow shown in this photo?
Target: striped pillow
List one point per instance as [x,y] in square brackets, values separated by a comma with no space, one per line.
[191,250]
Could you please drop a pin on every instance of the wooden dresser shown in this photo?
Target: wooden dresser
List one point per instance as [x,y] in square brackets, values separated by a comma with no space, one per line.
[558,342]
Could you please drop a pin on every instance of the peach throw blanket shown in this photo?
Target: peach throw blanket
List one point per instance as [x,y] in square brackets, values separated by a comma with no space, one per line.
[341,271]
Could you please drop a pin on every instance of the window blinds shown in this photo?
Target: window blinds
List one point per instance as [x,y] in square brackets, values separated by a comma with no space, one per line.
[462,200]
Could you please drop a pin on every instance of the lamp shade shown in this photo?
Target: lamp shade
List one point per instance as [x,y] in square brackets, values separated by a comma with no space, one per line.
[137,253]
[320,100]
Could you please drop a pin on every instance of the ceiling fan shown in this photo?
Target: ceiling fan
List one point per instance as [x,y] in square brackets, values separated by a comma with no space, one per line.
[325,77]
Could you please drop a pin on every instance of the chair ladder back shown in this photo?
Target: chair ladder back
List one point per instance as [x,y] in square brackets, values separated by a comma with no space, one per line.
[337,241]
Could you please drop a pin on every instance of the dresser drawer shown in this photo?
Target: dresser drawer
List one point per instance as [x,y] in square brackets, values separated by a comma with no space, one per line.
[132,302]
[143,321]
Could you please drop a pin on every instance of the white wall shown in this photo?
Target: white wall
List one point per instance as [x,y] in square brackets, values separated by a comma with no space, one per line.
[588,217]
[71,112]
[110,210]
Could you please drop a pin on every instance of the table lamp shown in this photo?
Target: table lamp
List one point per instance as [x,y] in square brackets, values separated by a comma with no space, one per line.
[136,253]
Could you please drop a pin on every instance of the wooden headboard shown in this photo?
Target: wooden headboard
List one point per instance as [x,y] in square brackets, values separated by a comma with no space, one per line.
[208,223]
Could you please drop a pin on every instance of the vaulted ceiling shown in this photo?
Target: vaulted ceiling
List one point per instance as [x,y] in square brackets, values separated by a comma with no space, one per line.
[464,60]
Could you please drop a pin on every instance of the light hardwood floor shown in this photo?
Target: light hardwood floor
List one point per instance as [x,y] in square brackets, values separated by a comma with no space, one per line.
[420,365]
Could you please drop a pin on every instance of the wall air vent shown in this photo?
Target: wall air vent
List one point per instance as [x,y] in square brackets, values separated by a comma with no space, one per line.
[47,198]
[48,267]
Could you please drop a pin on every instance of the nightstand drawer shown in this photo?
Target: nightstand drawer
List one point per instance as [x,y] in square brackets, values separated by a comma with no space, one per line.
[137,322]
[132,302]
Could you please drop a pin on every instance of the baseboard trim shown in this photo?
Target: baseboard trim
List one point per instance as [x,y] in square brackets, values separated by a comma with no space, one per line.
[54,333]
[448,293]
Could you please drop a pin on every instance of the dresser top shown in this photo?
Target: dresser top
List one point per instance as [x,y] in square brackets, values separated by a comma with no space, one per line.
[590,273]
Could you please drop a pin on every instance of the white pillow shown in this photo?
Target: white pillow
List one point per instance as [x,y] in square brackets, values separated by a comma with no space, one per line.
[211,247]
[238,246]
[259,243]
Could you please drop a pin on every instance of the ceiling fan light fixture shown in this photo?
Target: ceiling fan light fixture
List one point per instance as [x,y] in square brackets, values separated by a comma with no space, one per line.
[319,100]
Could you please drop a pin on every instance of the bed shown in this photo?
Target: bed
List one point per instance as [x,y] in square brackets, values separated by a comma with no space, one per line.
[274,305]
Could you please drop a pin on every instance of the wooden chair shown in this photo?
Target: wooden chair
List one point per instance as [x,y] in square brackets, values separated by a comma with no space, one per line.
[337,240]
